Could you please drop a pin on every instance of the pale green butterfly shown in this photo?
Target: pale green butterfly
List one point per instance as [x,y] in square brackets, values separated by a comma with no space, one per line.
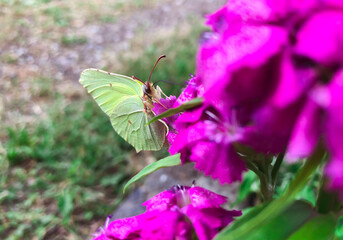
[128,103]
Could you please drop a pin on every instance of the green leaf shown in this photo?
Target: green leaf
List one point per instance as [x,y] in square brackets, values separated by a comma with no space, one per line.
[318,228]
[120,97]
[169,161]
[183,107]
[339,228]
[248,214]
[276,228]
[304,174]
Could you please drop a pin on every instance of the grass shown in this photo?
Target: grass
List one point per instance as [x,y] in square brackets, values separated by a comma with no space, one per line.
[62,172]
[73,40]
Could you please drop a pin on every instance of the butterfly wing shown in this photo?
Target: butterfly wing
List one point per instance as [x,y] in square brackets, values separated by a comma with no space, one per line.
[109,89]
[129,120]
[120,98]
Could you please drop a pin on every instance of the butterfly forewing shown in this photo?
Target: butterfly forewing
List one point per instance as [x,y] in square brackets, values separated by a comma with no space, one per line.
[109,89]
[120,97]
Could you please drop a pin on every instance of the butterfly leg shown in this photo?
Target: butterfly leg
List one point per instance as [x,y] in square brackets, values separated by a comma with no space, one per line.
[147,104]
[159,91]
[164,94]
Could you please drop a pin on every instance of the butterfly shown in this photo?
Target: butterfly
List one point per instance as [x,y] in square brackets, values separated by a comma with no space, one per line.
[128,101]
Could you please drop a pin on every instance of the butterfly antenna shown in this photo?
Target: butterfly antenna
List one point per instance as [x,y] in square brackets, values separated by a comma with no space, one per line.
[136,78]
[163,56]
[169,82]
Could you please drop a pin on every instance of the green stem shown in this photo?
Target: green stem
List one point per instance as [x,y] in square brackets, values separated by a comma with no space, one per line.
[261,176]
[266,189]
[276,167]
[253,168]
[263,171]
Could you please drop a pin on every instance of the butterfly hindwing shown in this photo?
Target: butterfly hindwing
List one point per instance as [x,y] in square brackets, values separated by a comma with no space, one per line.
[130,113]
[120,98]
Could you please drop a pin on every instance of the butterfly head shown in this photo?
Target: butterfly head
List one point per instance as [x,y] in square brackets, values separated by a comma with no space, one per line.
[147,88]
[150,93]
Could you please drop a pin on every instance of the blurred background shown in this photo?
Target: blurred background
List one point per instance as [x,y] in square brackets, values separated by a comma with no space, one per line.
[62,167]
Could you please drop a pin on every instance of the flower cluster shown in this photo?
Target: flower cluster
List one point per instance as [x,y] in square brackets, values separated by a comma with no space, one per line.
[272,78]
[178,213]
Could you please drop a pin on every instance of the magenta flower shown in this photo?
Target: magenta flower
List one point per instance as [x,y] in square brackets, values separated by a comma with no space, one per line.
[206,138]
[194,89]
[268,76]
[177,213]
[271,73]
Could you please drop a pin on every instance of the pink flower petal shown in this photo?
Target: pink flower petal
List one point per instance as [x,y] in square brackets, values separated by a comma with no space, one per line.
[123,228]
[306,133]
[334,116]
[321,38]
[219,160]
[203,198]
[166,225]
[161,201]
[208,222]
[272,127]
[334,170]
[249,47]
[194,89]
[298,80]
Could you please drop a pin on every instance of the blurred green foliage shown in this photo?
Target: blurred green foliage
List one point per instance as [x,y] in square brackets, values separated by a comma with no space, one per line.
[60,16]
[61,170]
[249,189]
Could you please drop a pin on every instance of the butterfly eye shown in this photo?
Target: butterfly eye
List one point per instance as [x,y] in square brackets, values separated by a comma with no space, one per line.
[146,90]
